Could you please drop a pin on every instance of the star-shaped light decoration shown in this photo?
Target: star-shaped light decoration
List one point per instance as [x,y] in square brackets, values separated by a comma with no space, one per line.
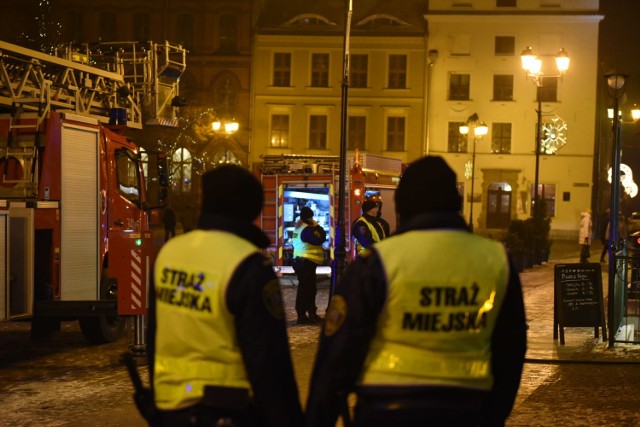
[468,168]
[554,135]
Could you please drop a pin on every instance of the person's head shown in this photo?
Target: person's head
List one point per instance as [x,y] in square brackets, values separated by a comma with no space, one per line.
[306,213]
[427,186]
[370,207]
[233,192]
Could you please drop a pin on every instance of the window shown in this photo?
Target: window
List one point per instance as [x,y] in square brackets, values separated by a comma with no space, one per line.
[546,192]
[459,86]
[548,92]
[397,72]
[128,175]
[107,26]
[359,65]
[395,133]
[282,69]
[75,29]
[505,45]
[501,138]
[228,33]
[181,171]
[506,3]
[318,132]
[184,29]
[503,87]
[357,132]
[320,70]
[456,142]
[141,27]
[279,131]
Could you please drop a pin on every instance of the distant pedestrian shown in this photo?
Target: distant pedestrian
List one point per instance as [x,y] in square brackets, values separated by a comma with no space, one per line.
[308,254]
[428,326]
[585,235]
[169,222]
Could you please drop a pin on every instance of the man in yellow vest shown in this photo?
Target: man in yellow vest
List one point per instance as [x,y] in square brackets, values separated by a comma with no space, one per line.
[218,345]
[428,326]
[368,228]
[308,237]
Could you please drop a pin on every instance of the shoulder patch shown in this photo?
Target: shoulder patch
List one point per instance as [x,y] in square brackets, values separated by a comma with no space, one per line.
[273,299]
[336,315]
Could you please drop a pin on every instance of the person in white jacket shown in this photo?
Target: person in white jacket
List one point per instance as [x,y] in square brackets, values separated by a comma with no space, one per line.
[585,235]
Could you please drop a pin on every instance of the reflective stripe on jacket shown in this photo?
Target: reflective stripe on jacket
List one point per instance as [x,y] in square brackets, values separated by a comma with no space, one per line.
[196,343]
[302,249]
[445,289]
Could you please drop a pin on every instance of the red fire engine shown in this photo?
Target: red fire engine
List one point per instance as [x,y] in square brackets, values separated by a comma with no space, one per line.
[292,181]
[75,192]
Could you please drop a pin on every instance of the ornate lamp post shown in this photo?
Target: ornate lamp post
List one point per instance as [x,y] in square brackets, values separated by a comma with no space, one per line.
[532,65]
[479,130]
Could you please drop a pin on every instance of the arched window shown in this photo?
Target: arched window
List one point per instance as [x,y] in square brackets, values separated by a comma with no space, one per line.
[181,170]
[228,33]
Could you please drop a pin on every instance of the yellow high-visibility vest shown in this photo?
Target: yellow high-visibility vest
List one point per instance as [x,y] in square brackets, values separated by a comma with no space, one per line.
[445,289]
[196,341]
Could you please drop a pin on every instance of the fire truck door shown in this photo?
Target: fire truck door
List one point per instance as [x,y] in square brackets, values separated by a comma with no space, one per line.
[129,245]
[17,249]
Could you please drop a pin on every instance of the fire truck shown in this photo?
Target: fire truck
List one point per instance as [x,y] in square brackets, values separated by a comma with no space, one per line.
[293,181]
[75,191]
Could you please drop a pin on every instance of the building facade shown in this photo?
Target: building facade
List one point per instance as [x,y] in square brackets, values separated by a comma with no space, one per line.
[478,70]
[298,75]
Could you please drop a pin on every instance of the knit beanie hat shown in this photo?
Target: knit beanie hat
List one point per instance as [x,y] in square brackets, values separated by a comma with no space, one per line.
[428,185]
[232,191]
[306,213]
[368,205]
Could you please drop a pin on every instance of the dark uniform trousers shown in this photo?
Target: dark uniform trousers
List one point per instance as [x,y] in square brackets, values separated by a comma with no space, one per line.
[305,269]
[444,406]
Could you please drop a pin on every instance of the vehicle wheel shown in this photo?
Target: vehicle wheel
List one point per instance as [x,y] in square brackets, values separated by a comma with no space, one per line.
[102,329]
[43,329]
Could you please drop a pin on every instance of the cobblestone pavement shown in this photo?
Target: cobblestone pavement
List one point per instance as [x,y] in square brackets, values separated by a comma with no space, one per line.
[69,383]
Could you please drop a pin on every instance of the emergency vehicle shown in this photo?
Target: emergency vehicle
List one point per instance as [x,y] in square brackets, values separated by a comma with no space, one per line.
[291,182]
[75,191]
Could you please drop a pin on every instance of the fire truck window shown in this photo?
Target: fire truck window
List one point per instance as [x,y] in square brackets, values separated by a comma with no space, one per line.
[127,171]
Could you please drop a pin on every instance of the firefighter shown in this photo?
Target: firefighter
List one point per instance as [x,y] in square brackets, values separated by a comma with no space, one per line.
[427,327]
[308,237]
[369,228]
[218,345]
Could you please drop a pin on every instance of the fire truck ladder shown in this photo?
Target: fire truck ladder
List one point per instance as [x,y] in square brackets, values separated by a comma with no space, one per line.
[32,81]
[151,70]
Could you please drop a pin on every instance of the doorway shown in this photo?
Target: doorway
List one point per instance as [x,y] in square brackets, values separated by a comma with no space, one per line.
[498,205]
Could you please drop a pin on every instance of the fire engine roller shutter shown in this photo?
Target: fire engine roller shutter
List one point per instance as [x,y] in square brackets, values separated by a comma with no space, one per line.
[79,275]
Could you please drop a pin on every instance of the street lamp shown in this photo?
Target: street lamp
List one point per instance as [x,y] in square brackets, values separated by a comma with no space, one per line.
[532,65]
[224,126]
[479,130]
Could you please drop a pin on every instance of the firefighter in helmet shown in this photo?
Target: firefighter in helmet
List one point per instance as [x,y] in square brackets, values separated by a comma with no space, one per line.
[369,228]
[214,304]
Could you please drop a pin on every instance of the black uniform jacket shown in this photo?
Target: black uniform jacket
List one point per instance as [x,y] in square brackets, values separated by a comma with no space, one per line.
[341,356]
[261,335]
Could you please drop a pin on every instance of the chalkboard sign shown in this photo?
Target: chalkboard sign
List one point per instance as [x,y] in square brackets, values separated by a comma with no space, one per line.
[578,298]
